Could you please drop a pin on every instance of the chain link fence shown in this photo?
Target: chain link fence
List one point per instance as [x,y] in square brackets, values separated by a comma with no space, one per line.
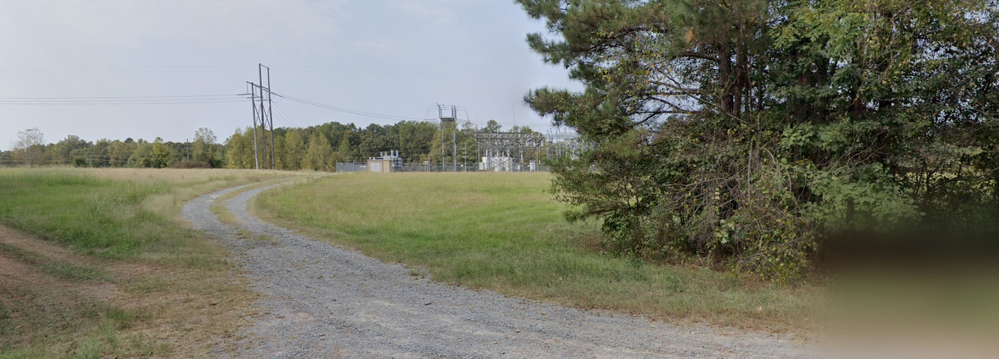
[434,167]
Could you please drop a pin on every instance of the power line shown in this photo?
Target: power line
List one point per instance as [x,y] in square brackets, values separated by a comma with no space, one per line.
[415,71]
[302,69]
[347,110]
[117,103]
[118,97]
[122,100]
[123,69]
[280,111]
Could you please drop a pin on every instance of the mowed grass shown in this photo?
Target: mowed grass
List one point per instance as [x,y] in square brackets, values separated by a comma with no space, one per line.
[96,263]
[503,232]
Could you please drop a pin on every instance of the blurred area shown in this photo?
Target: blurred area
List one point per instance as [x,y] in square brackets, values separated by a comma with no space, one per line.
[924,292]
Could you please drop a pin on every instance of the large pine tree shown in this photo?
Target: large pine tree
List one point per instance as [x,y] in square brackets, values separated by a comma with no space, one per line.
[743,130]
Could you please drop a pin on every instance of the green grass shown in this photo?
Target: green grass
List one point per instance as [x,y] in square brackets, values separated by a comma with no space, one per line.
[123,233]
[96,216]
[503,232]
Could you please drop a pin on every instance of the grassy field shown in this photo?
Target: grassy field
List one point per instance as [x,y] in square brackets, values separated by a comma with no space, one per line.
[503,232]
[95,263]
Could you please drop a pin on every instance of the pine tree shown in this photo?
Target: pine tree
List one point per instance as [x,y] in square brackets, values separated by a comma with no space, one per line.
[746,129]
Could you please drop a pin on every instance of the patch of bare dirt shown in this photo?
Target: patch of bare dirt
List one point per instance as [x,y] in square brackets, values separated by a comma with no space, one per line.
[46,249]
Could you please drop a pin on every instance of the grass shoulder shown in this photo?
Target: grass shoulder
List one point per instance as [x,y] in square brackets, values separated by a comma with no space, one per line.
[97,263]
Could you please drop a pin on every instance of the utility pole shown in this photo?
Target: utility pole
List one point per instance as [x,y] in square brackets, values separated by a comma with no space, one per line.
[449,122]
[266,115]
[253,98]
[270,112]
[263,111]
[440,114]
[442,148]
[454,141]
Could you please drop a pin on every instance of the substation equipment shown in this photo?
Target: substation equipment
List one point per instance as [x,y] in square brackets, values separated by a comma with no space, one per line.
[514,151]
[524,151]
[510,151]
[387,162]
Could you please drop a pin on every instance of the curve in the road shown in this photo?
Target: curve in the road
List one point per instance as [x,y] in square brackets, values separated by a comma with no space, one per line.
[322,301]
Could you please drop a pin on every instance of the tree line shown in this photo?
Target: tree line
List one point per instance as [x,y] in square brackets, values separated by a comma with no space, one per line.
[317,148]
[321,147]
[31,149]
[751,133]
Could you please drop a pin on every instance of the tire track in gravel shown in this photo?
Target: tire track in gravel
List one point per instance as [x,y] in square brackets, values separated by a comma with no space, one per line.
[323,301]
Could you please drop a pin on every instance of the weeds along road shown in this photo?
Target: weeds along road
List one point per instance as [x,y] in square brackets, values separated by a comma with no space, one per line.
[325,301]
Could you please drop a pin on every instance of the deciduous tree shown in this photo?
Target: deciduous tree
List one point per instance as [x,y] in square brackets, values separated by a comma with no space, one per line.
[29,148]
[319,156]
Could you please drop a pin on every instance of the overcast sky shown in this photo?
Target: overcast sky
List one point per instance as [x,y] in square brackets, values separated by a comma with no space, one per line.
[394,57]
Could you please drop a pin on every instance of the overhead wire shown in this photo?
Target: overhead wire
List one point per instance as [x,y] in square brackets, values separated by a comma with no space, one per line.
[187,99]
[205,99]
[118,69]
[117,103]
[299,69]
[347,110]
[119,97]
[285,115]
[123,100]
[416,71]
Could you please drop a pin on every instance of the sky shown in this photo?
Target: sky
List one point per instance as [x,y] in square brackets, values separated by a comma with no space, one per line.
[392,57]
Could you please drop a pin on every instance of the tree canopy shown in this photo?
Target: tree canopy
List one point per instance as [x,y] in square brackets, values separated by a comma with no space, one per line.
[318,147]
[745,131]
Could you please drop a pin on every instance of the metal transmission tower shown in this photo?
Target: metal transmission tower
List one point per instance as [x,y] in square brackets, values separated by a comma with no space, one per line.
[263,114]
[449,121]
[253,98]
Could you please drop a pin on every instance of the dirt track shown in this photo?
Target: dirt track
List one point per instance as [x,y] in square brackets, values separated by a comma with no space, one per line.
[325,301]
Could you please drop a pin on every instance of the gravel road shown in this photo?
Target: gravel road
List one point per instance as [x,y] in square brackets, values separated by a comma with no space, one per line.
[323,301]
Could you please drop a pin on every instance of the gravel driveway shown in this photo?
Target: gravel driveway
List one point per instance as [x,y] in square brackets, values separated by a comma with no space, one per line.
[323,301]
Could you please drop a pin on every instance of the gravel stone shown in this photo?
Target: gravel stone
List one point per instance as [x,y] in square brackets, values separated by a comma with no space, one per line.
[324,301]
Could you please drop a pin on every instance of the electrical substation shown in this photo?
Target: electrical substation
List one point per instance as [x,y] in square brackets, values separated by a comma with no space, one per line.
[519,150]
